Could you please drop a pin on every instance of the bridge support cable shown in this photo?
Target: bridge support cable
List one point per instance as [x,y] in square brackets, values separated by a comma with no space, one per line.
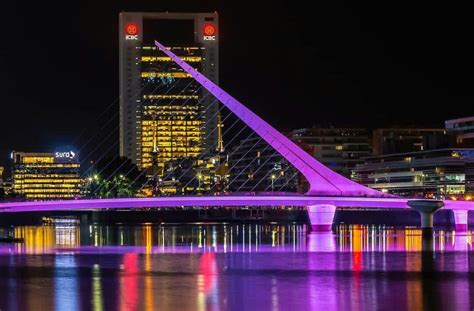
[116,114]
[202,114]
[242,171]
[209,148]
[103,126]
[322,180]
[203,154]
[267,174]
[143,171]
[239,160]
[228,144]
[139,92]
[262,165]
[205,138]
[288,181]
[283,173]
[115,129]
[104,154]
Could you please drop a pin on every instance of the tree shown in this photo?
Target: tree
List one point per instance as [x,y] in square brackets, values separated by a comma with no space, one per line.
[111,178]
[119,186]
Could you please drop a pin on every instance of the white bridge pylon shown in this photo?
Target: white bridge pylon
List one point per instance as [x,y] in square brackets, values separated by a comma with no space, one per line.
[322,180]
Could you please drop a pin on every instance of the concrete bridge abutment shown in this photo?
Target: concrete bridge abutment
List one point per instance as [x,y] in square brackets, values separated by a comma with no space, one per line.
[321,217]
[461,220]
[426,209]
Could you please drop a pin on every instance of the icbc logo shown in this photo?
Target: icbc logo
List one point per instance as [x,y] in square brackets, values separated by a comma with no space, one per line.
[209,32]
[131,30]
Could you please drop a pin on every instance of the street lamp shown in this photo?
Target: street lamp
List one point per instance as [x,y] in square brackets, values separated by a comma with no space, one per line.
[199,177]
[273,176]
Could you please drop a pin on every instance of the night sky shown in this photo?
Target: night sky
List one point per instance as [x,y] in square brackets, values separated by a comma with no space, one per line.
[295,63]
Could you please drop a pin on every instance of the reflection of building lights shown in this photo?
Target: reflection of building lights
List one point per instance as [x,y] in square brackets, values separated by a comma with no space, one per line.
[97,299]
[129,282]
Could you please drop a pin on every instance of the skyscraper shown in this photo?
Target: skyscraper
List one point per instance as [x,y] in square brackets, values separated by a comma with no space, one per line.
[164,114]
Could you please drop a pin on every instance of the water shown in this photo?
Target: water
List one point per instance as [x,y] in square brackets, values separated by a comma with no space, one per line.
[233,267]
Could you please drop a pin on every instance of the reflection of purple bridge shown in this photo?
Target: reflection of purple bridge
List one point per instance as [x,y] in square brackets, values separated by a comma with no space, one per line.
[327,189]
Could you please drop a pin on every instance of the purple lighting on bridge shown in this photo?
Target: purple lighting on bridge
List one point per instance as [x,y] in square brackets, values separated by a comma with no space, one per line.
[218,201]
[326,186]
[322,180]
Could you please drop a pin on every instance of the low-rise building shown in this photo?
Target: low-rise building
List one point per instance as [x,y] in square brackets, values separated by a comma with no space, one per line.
[254,166]
[400,140]
[46,176]
[463,129]
[340,149]
[441,173]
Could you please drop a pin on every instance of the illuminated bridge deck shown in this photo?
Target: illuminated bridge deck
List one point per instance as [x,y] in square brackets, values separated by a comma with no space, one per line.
[218,201]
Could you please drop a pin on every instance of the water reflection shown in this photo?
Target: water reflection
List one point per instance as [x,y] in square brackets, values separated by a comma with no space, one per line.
[247,238]
[219,267]
[66,289]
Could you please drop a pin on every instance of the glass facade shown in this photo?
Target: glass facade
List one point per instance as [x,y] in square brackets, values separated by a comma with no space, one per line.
[440,174]
[192,176]
[463,129]
[254,166]
[340,149]
[399,140]
[46,176]
[172,121]
[164,114]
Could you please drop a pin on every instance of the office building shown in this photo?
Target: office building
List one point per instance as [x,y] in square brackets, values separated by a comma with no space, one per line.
[337,148]
[434,174]
[463,129]
[207,175]
[2,188]
[254,166]
[470,178]
[46,176]
[164,114]
[399,140]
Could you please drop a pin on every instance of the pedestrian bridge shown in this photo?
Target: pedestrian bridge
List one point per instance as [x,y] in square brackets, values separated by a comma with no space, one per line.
[218,201]
[327,189]
[320,209]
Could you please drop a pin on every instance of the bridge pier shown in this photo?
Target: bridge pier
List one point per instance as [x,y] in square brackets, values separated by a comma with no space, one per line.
[321,216]
[460,220]
[426,209]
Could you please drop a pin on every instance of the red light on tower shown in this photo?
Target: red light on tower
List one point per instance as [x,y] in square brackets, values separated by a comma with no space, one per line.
[209,29]
[131,29]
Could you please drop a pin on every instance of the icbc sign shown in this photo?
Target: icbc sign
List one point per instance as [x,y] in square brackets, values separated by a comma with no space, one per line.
[209,32]
[131,31]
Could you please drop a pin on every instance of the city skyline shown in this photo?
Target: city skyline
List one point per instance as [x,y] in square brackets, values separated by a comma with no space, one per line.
[78,73]
[223,155]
